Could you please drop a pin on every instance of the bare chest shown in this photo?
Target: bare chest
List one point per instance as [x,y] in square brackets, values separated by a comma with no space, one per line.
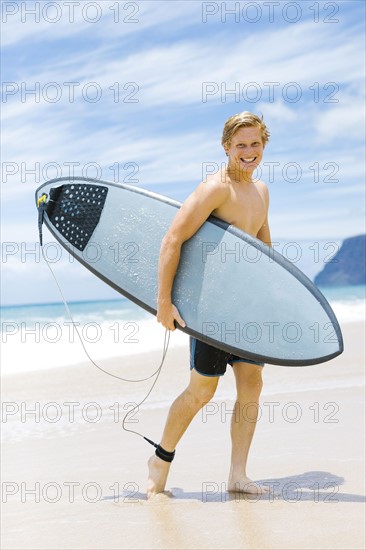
[245,209]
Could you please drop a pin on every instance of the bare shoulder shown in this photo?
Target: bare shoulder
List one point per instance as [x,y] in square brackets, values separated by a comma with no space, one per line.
[261,185]
[215,183]
[210,193]
[208,196]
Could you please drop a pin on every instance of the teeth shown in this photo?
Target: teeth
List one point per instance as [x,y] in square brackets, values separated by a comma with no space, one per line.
[249,160]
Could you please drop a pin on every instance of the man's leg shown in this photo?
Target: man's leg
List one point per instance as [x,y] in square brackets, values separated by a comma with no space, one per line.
[249,385]
[199,391]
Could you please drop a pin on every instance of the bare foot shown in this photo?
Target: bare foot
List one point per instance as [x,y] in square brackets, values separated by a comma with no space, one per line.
[158,473]
[243,484]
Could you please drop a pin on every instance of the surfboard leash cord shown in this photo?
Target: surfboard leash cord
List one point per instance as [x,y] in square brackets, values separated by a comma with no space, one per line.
[167,456]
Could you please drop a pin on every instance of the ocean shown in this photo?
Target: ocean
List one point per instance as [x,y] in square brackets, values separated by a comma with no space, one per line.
[42,336]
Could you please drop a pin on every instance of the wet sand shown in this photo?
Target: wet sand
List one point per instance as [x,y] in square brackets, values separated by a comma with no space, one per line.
[72,478]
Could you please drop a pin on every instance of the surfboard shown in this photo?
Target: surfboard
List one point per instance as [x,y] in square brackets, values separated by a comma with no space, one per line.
[232,290]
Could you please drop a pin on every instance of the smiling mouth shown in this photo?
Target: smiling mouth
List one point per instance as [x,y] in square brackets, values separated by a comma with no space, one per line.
[248,161]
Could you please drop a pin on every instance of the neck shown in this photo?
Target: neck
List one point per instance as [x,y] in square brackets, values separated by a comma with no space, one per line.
[242,176]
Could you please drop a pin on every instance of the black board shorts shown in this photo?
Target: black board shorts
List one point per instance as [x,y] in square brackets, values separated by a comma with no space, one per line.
[210,361]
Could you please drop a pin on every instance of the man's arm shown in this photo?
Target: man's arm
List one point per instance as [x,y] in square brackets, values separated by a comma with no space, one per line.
[264,233]
[208,196]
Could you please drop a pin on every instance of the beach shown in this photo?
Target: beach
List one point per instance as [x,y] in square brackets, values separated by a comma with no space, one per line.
[191,152]
[73,478]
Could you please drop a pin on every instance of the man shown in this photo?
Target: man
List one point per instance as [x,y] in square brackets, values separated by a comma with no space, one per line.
[233,195]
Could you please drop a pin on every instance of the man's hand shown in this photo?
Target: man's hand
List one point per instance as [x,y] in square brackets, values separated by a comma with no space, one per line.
[167,314]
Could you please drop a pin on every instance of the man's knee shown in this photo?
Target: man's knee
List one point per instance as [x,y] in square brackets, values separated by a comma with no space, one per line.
[202,392]
[250,380]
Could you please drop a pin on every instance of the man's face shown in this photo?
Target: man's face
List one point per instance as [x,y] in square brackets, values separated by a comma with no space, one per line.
[245,150]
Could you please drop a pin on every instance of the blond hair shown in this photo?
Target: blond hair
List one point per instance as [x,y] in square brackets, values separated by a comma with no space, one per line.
[243,120]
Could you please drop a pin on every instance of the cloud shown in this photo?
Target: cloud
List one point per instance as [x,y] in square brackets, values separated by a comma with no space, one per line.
[171,131]
[175,74]
[343,122]
[106,20]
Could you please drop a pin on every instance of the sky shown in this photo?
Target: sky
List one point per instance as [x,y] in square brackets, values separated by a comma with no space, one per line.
[138,92]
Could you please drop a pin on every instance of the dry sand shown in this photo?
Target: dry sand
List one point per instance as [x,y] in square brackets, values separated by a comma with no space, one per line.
[79,481]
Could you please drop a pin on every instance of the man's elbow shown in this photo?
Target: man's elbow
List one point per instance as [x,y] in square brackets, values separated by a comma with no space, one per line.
[170,241]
